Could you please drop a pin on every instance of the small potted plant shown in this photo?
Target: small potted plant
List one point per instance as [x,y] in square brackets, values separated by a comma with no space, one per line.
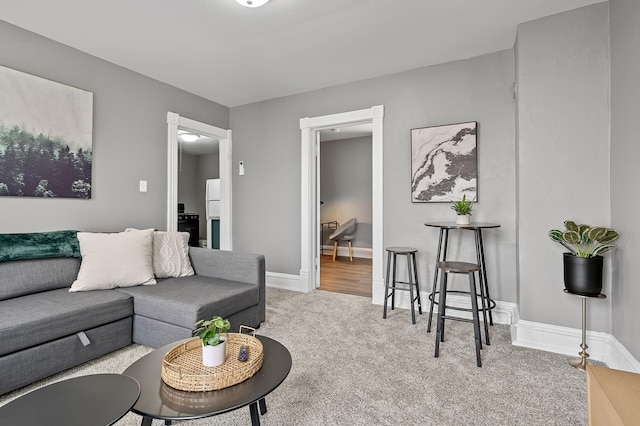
[583,264]
[463,210]
[213,345]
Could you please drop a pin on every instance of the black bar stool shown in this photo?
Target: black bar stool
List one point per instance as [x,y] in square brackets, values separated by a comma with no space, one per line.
[459,268]
[391,283]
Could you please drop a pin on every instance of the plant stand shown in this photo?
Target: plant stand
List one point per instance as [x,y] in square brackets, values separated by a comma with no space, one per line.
[581,363]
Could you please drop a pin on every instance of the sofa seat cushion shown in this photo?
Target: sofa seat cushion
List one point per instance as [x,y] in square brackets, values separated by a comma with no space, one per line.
[183,301]
[42,317]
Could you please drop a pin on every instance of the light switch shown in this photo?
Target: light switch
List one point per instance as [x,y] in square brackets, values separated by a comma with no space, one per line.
[241,168]
[143,186]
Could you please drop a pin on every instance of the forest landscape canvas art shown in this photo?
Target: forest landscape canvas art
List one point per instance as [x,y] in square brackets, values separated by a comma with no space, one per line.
[444,163]
[46,143]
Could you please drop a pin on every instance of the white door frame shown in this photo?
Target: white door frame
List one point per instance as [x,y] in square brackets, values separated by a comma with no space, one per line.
[309,248]
[175,122]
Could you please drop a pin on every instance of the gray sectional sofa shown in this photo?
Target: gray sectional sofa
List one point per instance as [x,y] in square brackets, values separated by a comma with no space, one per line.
[43,325]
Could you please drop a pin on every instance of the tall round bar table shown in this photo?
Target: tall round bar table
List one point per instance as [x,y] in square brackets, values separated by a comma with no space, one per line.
[443,242]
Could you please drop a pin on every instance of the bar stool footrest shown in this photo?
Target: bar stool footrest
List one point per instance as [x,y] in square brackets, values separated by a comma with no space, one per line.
[492,303]
[457,318]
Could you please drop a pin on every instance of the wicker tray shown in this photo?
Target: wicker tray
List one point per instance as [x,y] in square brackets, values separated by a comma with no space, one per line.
[182,366]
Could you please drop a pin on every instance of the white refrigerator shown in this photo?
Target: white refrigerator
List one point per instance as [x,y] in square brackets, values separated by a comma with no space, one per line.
[212,199]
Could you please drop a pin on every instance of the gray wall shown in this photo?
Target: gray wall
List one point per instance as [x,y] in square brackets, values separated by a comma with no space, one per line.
[346,185]
[266,135]
[129,138]
[192,184]
[563,154]
[625,151]
[187,184]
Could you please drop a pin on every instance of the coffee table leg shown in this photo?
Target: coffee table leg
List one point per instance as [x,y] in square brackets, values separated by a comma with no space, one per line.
[255,417]
[263,406]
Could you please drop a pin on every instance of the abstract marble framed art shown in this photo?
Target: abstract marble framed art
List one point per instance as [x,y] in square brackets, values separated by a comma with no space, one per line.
[444,164]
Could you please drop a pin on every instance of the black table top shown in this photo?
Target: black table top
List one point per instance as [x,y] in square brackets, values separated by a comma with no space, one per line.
[160,401]
[97,399]
[453,225]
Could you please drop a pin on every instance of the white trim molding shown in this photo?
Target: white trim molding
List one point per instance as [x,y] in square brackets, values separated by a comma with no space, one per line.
[362,252]
[503,313]
[565,340]
[309,247]
[284,281]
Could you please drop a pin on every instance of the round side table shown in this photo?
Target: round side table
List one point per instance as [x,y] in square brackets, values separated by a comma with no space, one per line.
[581,363]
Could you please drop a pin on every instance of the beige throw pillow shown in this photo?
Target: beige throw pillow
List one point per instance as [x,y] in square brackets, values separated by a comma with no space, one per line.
[121,259]
[171,254]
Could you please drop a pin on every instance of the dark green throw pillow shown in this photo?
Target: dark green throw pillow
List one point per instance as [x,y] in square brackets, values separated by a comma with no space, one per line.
[39,245]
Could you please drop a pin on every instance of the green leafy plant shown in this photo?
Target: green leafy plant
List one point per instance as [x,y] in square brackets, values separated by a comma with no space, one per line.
[209,330]
[584,240]
[462,207]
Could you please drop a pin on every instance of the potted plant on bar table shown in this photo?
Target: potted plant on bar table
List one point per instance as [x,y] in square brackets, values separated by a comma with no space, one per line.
[583,265]
[463,210]
[213,345]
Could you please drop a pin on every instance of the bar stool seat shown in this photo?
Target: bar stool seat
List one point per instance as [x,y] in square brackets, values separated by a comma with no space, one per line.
[391,282]
[469,269]
[458,267]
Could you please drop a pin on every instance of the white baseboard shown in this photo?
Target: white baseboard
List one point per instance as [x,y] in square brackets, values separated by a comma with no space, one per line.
[620,358]
[363,252]
[564,340]
[284,281]
[503,313]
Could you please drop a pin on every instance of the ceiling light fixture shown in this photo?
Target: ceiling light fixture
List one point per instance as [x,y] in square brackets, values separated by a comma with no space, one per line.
[252,3]
[188,137]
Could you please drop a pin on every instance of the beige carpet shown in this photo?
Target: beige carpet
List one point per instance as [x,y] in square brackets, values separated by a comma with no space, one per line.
[351,367]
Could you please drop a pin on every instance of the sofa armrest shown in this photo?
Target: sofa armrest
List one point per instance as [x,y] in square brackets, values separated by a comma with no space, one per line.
[233,266]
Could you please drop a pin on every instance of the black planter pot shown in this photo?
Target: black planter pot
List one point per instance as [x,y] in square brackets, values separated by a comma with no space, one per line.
[583,275]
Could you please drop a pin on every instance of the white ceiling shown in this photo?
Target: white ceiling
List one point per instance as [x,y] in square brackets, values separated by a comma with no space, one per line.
[236,55]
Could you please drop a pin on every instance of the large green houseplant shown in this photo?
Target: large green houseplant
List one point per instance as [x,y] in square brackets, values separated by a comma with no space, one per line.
[213,345]
[583,264]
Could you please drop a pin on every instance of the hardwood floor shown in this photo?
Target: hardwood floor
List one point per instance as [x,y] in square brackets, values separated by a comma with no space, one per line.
[343,276]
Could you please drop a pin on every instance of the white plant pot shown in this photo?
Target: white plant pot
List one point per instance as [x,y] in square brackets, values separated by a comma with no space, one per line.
[462,219]
[213,356]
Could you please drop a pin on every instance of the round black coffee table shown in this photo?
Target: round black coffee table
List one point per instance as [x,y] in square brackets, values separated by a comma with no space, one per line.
[97,399]
[160,401]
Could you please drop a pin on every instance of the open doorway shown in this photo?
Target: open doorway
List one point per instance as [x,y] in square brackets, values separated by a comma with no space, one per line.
[198,167]
[345,193]
[176,125]
[310,202]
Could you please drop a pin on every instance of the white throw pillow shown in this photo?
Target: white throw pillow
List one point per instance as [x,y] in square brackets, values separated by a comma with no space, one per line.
[121,259]
[171,254]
